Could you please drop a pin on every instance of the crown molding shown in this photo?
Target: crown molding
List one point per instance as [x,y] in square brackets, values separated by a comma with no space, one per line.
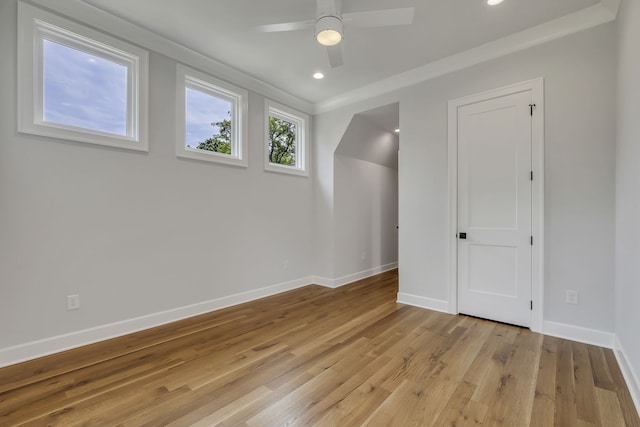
[83,11]
[590,17]
[88,14]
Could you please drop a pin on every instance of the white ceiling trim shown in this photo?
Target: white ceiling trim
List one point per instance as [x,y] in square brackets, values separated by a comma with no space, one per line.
[572,23]
[104,21]
[605,11]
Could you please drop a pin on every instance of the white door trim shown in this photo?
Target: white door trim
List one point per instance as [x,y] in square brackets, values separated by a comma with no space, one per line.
[536,87]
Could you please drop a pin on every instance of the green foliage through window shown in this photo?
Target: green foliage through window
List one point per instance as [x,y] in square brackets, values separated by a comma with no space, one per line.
[282,142]
[220,142]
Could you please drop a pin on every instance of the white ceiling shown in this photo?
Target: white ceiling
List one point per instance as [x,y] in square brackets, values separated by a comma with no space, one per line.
[226,31]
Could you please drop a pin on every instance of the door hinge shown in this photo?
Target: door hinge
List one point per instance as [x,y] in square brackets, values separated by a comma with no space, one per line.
[531,107]
[531,175]
[531,304]
[531,240]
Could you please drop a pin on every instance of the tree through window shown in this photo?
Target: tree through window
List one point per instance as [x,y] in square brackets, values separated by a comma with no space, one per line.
[285,133]
[282,141]
[220,142]
[211,121]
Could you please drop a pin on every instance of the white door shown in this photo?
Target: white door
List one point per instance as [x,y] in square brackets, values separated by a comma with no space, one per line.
[494,209]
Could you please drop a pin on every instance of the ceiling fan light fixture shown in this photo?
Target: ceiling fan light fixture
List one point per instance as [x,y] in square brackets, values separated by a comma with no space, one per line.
[329,30]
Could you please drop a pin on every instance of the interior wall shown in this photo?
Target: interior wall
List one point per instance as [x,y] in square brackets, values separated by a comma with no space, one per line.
[135,233]
[628,185]
[366,213]
[579,74]
[138,233]
[580,81]
[330,129]
[365,199]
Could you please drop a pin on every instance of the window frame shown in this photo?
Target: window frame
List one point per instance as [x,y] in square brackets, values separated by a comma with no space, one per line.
[196,80]
[36,25]
[301,120]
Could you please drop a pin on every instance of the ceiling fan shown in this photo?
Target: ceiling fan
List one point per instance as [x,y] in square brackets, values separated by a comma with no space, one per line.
[330,22]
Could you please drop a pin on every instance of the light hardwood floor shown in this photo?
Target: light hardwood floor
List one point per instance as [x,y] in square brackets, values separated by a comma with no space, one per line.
[316,356]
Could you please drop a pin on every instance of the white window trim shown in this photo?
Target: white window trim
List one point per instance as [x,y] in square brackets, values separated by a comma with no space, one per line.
[33,25]
[190,78]
[272,108]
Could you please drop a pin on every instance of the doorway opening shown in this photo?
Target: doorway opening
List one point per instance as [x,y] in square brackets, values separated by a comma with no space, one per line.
[366,194]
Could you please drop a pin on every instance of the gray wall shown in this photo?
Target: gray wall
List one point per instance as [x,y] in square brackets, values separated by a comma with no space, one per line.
[365,198]
[366,213]
[628,185]
[135,233]
[579,74]
[580,79]
[130,231]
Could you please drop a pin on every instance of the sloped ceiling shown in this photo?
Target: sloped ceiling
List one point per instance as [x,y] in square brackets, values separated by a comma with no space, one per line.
[370,137]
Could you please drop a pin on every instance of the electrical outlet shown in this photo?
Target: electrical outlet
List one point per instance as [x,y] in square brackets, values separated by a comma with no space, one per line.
[363,256]
[73,302]
[572,297]
[285,264]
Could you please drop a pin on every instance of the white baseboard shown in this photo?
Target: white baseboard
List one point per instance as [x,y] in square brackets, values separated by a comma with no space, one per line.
[630,376]
[424,302]
[322,281]
[344,280]
[602,339]
[580,334]
[47,346]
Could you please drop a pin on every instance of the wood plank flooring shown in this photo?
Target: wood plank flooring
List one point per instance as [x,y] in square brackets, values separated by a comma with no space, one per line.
[316,356]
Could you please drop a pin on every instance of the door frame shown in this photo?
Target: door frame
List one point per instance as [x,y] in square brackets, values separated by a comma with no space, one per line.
[536,86]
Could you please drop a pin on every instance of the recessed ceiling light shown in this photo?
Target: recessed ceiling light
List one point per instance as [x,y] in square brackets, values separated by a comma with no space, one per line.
[318,76]
[493,2]
[397,131]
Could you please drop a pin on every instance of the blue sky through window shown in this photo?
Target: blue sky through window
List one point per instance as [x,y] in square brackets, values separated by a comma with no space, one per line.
[203,110]
[84,90]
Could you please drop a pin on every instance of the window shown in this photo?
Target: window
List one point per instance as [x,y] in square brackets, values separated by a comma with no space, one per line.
[285,147]
[211,119]
[102,103]
[79,84]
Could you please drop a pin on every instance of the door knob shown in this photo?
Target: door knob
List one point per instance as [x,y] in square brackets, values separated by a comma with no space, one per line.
[462,236]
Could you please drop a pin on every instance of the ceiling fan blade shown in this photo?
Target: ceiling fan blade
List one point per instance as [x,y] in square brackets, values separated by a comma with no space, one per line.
[335,55]
[328,7]
[379,18]
[286,26]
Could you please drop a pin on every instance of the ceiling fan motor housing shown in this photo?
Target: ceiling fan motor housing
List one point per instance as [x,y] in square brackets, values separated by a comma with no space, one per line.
[329,30]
